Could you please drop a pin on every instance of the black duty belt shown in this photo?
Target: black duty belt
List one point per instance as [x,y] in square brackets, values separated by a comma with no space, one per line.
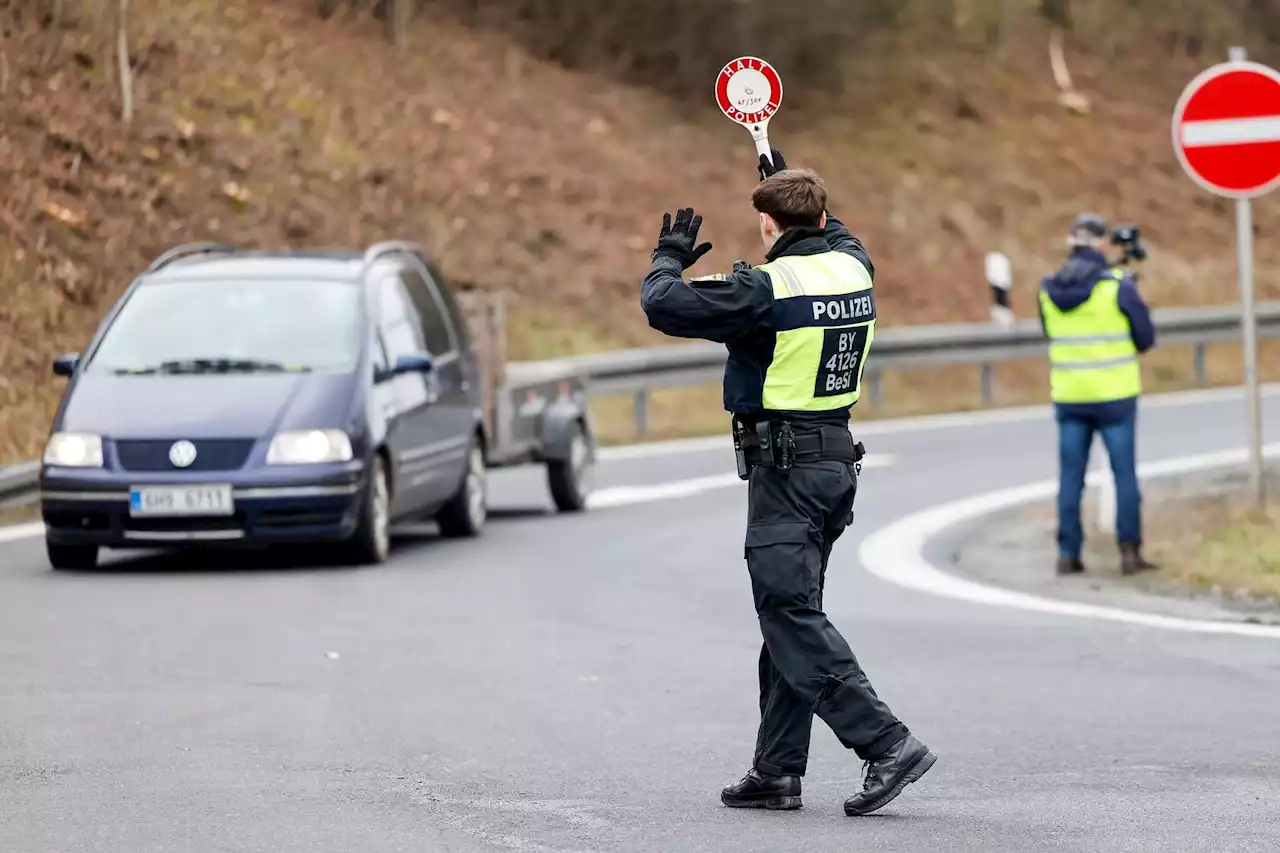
[780,444]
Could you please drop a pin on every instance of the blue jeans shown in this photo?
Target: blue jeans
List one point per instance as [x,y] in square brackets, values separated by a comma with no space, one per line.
[1075,436]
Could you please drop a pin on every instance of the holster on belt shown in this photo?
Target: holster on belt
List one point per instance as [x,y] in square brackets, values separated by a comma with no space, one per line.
[779,444]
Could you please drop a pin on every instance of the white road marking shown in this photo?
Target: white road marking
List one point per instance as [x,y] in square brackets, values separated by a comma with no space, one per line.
[1231,131]
[628,495]
[896,553]
[950,420]
[21,531]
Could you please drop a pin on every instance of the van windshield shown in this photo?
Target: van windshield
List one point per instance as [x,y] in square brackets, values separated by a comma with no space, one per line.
[221,325]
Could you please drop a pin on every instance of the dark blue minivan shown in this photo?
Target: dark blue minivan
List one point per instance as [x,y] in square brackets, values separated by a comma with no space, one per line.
[246,398]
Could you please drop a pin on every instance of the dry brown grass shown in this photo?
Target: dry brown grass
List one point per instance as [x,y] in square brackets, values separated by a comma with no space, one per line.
[11,515]
[261,124]
[1218,543]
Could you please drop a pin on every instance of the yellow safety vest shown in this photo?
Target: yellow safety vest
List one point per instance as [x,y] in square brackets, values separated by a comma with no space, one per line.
[1092,358]
[824,311]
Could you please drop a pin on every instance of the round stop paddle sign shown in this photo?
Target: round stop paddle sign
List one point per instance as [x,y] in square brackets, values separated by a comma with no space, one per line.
[749,92]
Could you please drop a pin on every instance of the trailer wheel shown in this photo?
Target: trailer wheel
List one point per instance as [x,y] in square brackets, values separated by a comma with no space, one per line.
[571,479]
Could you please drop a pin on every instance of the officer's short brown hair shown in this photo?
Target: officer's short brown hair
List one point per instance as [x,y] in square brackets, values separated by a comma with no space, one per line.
[794,198]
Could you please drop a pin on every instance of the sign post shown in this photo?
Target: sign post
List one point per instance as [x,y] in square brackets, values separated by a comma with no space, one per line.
[749,92]
[1226,133]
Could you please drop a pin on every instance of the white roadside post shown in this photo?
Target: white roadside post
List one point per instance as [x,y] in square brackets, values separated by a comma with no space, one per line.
[1225,127]
[1000,277]
[1106,513]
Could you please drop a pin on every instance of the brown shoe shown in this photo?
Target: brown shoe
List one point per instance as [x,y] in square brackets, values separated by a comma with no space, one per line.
[1070,566]
[1132,561]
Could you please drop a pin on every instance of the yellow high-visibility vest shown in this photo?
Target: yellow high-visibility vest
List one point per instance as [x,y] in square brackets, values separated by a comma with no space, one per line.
[1092,358]
[824,311]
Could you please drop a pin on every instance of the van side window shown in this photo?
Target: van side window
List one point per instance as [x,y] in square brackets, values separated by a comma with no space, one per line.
[398,320]
[457,317]
[435,322]
[378,351]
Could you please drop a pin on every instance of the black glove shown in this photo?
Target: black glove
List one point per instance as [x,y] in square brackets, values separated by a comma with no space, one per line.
[766,168]
[681,240]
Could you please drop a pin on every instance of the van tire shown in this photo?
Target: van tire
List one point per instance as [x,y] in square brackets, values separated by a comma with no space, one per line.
[465,514]
[74,558]
[371,543]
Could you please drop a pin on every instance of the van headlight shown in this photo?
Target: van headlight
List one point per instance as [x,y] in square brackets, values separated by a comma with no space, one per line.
[309,447]
[74,450]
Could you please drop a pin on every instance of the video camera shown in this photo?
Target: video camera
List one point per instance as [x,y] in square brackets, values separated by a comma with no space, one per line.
[1129,240]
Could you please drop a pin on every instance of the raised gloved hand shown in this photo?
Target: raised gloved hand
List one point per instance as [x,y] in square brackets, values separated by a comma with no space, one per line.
[766,168]
[680,241]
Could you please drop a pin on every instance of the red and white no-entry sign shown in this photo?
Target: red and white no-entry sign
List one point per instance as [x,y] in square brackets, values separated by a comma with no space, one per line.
[1226,132]
[749,92]
[1226,129]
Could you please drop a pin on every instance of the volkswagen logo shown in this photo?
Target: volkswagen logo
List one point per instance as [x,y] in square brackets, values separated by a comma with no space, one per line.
[182,454]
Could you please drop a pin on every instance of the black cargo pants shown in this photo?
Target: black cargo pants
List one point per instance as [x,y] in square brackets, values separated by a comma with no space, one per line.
[806,667]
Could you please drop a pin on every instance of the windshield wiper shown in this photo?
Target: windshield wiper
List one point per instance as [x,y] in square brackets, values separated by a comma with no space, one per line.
[216,365]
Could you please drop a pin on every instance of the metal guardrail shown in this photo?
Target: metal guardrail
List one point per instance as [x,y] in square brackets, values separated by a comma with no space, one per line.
[640,371]
[646,369]
[18,484]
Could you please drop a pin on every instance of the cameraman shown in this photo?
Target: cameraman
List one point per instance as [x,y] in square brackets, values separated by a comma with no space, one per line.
[1097,324]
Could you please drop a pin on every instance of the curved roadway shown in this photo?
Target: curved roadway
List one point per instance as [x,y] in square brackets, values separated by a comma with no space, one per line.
[588,683]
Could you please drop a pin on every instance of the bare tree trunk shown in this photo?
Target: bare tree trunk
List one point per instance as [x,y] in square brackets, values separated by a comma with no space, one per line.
[122,57]
[399,13]
[1069,97]
[1058,12]
[1007,17]
[56,10]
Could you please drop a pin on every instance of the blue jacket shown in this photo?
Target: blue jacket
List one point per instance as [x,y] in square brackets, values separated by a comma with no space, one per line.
[1068,288]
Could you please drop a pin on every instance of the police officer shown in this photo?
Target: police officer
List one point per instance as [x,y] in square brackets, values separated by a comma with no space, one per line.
[1097,324]
[797,329]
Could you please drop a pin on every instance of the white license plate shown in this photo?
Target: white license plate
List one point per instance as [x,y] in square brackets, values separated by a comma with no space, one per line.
[181,500]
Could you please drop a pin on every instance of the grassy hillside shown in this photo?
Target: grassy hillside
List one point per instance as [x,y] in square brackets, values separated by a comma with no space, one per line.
[260,123]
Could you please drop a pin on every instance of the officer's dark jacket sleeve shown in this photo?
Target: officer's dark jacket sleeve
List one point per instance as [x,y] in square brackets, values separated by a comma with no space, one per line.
[716,308]
[840,239]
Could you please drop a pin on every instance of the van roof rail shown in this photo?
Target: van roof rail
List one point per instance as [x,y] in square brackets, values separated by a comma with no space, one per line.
[188,249]
[390,247]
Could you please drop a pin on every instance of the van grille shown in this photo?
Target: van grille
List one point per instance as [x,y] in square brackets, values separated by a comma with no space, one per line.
[212,454]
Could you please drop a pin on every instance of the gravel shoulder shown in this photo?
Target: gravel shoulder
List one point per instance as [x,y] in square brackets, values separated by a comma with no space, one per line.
[1181,515]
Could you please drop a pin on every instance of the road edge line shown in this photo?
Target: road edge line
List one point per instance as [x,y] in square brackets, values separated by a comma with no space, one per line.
[924,423]
[17,532]
[895,552]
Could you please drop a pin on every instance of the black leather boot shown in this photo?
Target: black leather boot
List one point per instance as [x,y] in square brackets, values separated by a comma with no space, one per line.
[1070,566]
[1132,562]
[906,761]
[757,791]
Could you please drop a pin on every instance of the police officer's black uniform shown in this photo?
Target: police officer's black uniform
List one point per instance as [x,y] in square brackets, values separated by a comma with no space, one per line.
[802,467]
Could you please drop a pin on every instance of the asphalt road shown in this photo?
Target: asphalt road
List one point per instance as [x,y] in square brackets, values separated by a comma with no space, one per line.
[588,683]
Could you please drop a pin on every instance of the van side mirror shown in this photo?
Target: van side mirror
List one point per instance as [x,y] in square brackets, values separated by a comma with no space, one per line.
[416,363]
[65,365]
